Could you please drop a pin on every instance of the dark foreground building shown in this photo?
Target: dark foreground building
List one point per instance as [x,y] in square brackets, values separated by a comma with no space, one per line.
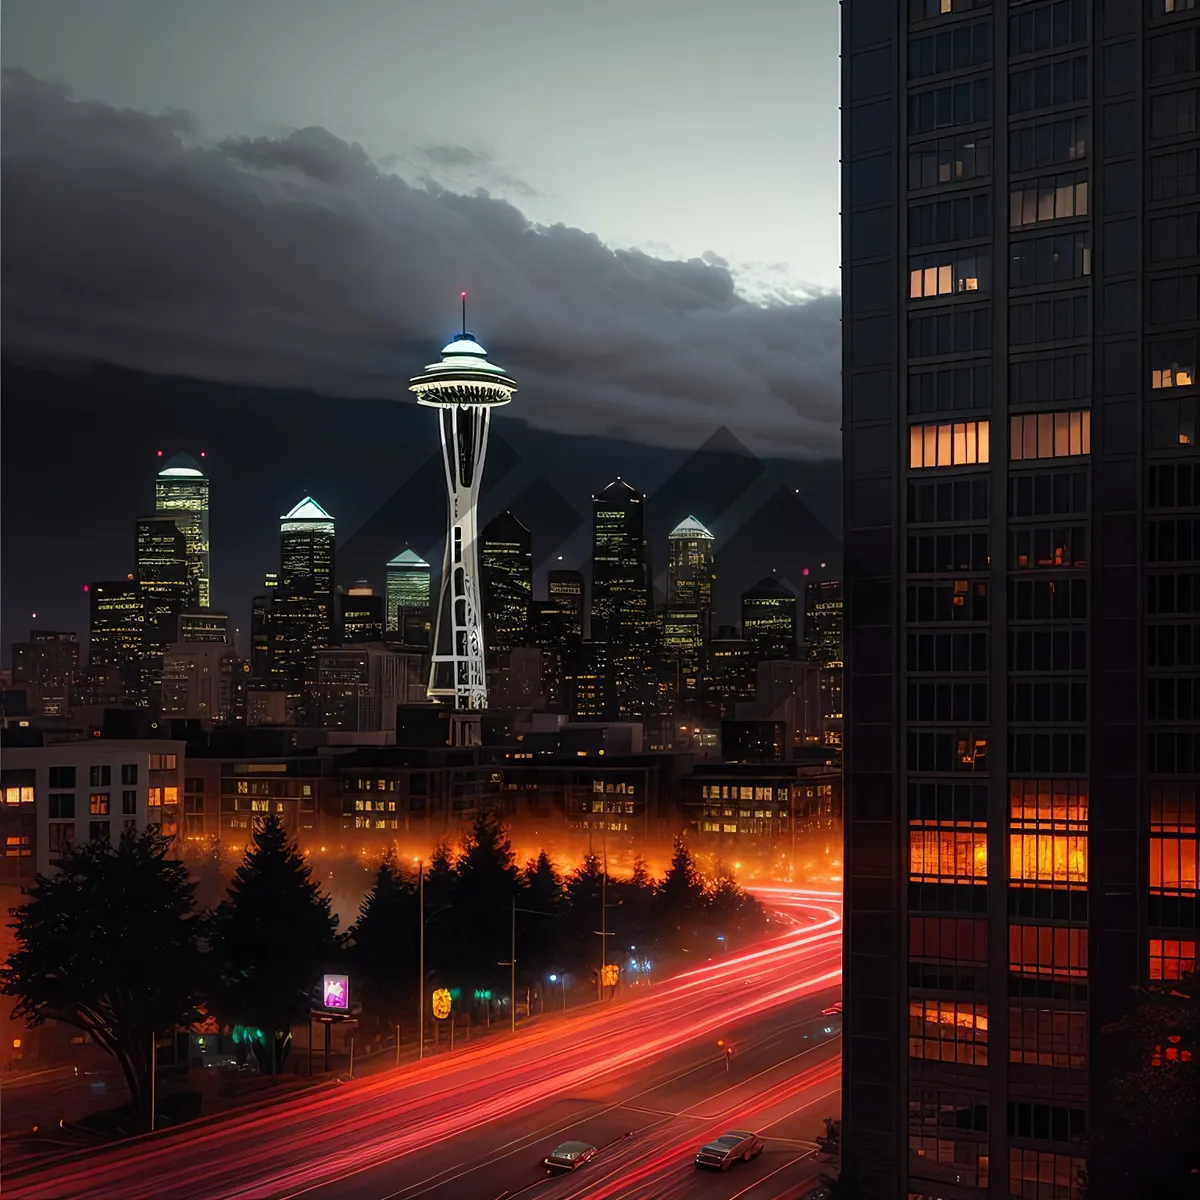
[1022,736]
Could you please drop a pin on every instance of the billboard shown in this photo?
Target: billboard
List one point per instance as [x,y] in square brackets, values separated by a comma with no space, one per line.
[336,992]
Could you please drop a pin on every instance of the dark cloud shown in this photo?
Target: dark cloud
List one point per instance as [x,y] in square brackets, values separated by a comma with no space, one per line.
[294,262]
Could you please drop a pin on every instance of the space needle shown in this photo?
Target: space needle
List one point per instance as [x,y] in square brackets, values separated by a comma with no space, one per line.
[464,387]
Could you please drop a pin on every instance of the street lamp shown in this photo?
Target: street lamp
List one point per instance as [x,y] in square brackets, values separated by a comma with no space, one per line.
[563,980]
[512,960]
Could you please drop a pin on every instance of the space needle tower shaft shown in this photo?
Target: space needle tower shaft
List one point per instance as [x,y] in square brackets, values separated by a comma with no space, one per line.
[464,387]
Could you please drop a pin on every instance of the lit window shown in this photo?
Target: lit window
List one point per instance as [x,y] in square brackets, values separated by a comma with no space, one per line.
[1047,951]
[1173,364]
[1172,958]
[18,795]
[1043,1175]
[946,1031]
[947,854]
[1051,198]
[960,444]
[98,804]
[1048,834]
[1174,860]
[170,795]
[1050,435]
[947,273]
[154,796]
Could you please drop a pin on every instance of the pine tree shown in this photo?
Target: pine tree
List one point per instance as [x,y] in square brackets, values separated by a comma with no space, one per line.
[384,943]
[486,891]
[583,897]
[679,901]
[275,936]
[110,944]
[540,952]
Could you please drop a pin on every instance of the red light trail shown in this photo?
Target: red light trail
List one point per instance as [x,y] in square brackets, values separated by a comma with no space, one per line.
[312,1140]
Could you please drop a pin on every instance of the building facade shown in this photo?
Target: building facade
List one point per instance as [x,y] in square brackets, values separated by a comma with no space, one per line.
[116,632]
[408,586]
[506,578]
[620,589]
[302,606]
[770,619]
[691,566]
[1019,367]
[63,795]
[181,491]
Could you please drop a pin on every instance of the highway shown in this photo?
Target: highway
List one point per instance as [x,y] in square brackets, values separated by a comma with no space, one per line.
[644,1080]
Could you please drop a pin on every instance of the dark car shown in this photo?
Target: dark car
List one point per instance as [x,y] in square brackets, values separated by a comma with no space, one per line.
[570,1156]
[730,1148]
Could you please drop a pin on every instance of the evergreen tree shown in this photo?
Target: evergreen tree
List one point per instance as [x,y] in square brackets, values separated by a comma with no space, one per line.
[384,943]
[110,944]
[540,947]
[444,955]
[583,897]
[732,911]
[633,919]
[274,936]
[486,891]
[679,901]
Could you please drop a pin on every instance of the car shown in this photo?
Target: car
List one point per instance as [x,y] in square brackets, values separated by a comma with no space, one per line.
[570,1156]
[834,1010]
[729,1148]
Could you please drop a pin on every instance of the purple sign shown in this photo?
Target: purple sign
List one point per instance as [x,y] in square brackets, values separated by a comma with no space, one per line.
[337,992]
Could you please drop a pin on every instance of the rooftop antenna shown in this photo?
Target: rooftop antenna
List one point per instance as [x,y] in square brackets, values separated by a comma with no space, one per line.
[464,304]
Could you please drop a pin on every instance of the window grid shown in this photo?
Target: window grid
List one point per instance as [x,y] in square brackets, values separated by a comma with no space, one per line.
[948,1031]
[964,443]
[1050,435]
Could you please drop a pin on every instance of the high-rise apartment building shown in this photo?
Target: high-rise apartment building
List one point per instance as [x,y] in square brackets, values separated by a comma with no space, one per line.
[181,490]
[408,586]
[823,621]
[1020,276]
[506,579]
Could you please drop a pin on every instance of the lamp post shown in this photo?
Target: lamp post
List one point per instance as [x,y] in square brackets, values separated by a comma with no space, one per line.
[563,980]
[512,961]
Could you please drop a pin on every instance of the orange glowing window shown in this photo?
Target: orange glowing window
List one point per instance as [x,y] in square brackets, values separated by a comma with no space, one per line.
[947,1031]
[1046,951]
[947,854]
[1174,854]
[1050,435]
[964,443]
[154,797]
[1171,958]
[1048,834]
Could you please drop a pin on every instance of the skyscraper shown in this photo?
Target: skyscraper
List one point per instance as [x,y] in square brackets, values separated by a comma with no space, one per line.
[165,578]
[770,619]
[302,606]
[181,489]
[464,387]
[691,571]
[1019,386]
[408,586]
[823,621]
[260,630]
[619,583]
[565,589]
[360,614]
[116,633]
[506,565]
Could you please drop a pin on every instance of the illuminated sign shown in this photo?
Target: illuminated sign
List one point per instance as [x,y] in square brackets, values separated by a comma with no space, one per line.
[337,992]
[610,975]
[441,1003]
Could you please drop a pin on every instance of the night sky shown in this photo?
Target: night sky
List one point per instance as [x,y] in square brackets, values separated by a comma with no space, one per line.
[240,229]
